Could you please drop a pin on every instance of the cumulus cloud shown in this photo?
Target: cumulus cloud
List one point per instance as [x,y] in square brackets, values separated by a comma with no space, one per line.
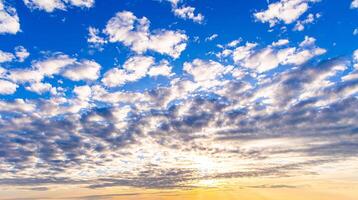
[185,12]
[7,87]
[21,53]
[134,69]
[205,70]
[188,12]
[82,92]
[300,25]
[94,38]
[53,65]
[81,3]
[354,4]
[287,11]
[274,55]
[39,87]
[280,42]
[134,32]
[59,64]
[6,57]
[52,5]
[83,70]
[48,6]
[9,20]
[162,69]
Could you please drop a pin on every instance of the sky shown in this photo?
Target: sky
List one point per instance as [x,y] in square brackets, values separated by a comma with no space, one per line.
[178,99]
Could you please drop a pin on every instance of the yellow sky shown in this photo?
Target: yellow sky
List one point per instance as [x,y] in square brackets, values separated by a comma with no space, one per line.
[289,188]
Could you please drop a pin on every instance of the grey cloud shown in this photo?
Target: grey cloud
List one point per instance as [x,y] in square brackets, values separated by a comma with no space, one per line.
[56,145]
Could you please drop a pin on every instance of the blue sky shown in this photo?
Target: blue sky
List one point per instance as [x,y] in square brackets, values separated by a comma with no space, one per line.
[95,83]
[67,31]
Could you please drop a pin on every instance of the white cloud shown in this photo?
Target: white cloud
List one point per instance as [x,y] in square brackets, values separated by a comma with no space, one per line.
[355,55]
[134,69]
[163,69]
[205,70]
[354,4]
[168,42]
[134,32]
[308,41]
[174,2]
[21,53]
[287,11]
[272,56]
[243,52]
[56,65]
[85,70]
[6,57]
[81,3]
[280,42]
[300,25]
[9,20]
[114,77]
[26,75]
[52,5]
[82,92]
[7,87]
[39,87]
[355,59]
[212,37]
[46,5]
[234,43]
[53,65]
[187,12]
[93,36]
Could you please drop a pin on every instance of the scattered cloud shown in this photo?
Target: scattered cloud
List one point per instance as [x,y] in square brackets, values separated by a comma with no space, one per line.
[59,64]
[6,57]
[187,12]
[134,69]
[52,5]
[9,20]
[21,53]
[212,37]
[93,36]
[272,56]
[39,87]
[7,87]
[134,32]
[286,11]
[300,25]
[83,70]
[162,69]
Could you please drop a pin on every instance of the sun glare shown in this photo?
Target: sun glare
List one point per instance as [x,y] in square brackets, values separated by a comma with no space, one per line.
[205,165]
